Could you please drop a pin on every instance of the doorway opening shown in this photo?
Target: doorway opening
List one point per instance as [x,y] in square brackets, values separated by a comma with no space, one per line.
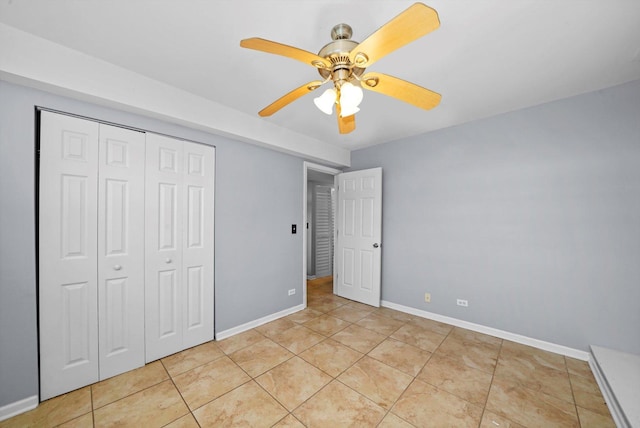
[318,239]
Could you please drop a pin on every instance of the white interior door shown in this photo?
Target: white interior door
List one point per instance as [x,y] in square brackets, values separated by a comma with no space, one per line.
[163,235]
[197,244]
[120,250]
[359,232]
[67,254]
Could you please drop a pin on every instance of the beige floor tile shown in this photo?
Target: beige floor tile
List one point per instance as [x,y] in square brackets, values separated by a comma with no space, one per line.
[536,377]
[191,358]
[393,421]
[260,357]
[396,315]
[358,338]
[54,411]
[210,381]
[491,420]
[528,407]
[418,337]
[401,356]
[380,324]
[459,379]
[246,406]
[298,338]
[578,367]
[349,313]
[326,306]
[293,382]
[337,405]
[327,325]
[274,327]
[128,383]
[471,353]
[474,338]
[289,421]
[425,405]
[587,394]
[84,421]
[361,306]
[337,299]
[155,406]
[331,357]
[591,419]
[304,315]
[528,356]
[431,325]
[187,421]
[239,341]
[376,381]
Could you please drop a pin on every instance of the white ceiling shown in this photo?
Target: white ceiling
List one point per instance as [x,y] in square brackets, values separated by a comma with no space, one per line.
[488,57]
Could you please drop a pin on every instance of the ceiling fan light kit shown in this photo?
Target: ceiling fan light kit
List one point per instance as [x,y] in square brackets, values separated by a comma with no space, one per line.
[343,62]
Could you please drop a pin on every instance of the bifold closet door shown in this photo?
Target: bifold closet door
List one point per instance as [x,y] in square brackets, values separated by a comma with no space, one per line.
[179,245]
[68,262]
[91,252]
[120,250]
[197,244]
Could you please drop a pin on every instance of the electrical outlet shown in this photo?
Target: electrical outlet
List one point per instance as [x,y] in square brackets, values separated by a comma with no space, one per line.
[427,297]
[292,292]
[461,302]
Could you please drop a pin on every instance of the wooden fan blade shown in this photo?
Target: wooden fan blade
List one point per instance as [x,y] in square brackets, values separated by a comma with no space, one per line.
[410,25]
[345,124]
[401,89]
[285,50]
[289,98]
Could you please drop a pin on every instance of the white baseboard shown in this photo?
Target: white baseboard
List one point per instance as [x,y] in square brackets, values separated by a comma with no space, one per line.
[256,323]
[618,376]
[18,407]
[609,397]
[540,344]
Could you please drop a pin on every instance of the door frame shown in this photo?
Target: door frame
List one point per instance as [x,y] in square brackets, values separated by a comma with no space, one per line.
[326,170]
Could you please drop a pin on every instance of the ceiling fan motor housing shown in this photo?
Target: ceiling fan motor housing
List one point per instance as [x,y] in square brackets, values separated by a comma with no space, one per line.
[337,52]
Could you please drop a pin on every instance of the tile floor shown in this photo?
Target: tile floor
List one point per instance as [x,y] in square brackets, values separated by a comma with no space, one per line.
[341,363]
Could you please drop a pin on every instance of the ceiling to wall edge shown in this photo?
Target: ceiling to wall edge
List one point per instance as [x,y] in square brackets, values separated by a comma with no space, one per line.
[76,75]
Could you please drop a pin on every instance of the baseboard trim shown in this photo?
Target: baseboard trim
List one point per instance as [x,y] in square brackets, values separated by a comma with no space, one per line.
[13,409]
[256,323]
[540,344]
[617,413]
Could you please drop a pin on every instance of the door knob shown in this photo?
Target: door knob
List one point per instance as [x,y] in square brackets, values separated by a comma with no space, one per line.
[167,261]
[117,267]
[376,245]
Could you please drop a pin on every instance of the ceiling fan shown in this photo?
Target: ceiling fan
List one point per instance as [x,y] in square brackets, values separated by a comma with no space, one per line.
[343,62]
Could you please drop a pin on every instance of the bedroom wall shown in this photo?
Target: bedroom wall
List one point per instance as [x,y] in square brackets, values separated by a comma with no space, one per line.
[258,197]
[532,216]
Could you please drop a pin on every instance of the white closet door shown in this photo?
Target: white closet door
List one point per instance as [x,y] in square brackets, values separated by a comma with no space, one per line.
[121,250]
[163,249]
[197,254]
[67,254]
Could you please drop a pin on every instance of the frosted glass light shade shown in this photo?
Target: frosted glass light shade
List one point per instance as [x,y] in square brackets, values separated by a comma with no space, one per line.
[326,101]
[348,110]
[350,99]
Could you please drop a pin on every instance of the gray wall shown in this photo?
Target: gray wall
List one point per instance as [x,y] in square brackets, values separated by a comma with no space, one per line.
[258,197]
[532,216]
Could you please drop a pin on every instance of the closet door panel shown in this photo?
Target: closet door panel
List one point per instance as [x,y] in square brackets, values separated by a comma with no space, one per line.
[198,248]
[121,250]
[67,254]
[163,249]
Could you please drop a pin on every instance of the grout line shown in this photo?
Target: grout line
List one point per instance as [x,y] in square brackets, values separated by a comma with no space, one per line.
[484,408]
[93,416]
[573,394]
